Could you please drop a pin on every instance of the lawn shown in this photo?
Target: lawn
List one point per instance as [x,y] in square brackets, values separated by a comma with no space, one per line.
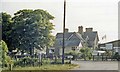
[49,67]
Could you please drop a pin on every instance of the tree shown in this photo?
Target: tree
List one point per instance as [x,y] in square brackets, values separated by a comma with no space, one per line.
[6,23]
[1,54]
[6,60]
[108,54]
[0,26]
[86,52]
[4,52]
[32,29]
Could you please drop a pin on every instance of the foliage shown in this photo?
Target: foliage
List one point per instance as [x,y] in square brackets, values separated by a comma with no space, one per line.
[46,61]
[31,29]
[116,56]
[108,53]
[1,54]
[6,27]
[4,51]
[26,61]
[6,60]
[74,54]
[28,29]
[86,53]
[49,67]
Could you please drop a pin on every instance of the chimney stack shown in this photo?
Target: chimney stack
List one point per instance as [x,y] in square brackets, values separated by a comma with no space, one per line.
[89,29]
[66,30]
[80,29]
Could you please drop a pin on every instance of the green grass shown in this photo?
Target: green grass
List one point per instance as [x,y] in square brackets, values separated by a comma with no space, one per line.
[49,67]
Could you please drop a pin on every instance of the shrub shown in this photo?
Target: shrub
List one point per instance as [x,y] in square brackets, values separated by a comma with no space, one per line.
[116,56]
[6,60]
[26,61]
[86,53]
[46,61]
[74,54]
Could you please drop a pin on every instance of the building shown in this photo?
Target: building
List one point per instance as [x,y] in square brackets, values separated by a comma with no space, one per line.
[112,45]
[76,40]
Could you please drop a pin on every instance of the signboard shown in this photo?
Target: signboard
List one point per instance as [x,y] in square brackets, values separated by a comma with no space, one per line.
[109,46]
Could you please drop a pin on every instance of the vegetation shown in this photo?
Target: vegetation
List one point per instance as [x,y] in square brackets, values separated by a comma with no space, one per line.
[49,67]
[28,29]
[26,61]
[6,60]
[86,53]
[6,28]
[1,55]
[74,54]
[116,56]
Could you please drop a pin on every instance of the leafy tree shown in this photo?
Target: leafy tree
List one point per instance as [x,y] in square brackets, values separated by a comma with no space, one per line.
[32,29]
[6,60]
[1,54]
[86,52]
[116,56]
[4,51]
[0,26]
[108,54]
[5,21]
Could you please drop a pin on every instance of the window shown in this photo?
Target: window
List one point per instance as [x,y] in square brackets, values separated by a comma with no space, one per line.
[73,48]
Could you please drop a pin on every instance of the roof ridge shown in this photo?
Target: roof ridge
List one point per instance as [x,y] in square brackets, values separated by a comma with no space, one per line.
[80,37]
[70,37]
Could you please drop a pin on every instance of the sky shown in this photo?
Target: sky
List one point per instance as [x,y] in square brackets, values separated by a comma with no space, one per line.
[101,15]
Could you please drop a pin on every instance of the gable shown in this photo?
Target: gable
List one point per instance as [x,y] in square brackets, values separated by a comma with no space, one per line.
[71,39]
[91,35]
[80,45]
[75,39]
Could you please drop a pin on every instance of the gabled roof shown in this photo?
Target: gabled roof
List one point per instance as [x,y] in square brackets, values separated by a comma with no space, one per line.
[90,35]
[72,39]
[60,35]
[75,38]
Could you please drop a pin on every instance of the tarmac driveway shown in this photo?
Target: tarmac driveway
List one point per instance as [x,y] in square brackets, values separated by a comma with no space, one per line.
[96,65]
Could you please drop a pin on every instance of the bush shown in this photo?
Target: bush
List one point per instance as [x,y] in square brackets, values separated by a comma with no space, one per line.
[86,53]
[46,61]
[74,54]
[26,61]
[116,56]
[6,60]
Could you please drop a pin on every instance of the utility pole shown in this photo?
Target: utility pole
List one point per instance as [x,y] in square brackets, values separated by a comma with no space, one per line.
[63,32]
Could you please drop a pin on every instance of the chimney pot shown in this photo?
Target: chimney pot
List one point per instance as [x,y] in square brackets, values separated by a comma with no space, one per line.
[89,29]
[66,30]
[80,29]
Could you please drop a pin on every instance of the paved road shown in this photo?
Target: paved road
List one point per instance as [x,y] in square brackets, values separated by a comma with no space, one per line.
[96,65]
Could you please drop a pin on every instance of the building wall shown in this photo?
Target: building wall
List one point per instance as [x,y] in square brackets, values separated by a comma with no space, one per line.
[95,45]
[115,45]
[68,49]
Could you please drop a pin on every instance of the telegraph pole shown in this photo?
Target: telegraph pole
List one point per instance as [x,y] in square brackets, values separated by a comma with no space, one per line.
[63,32]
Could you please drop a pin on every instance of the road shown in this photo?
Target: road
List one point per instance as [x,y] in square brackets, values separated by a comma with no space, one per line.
[96,65]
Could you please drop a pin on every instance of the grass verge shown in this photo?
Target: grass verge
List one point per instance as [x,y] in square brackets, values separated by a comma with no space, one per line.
[49,67]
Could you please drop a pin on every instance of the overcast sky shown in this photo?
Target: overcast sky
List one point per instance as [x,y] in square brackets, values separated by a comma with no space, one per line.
[102,15]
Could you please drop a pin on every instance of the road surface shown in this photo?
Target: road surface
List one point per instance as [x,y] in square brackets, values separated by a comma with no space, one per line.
[96,65]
